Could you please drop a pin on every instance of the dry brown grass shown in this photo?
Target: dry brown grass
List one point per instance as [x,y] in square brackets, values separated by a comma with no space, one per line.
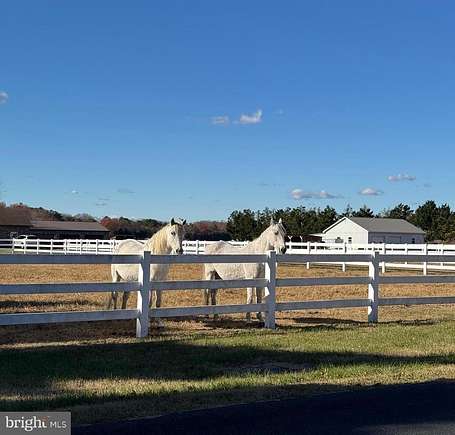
[97,301]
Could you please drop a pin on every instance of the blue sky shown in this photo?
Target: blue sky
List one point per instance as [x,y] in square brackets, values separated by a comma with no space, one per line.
[194,109]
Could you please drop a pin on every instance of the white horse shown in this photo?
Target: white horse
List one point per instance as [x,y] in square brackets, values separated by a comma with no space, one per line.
[168,240]
[273,238]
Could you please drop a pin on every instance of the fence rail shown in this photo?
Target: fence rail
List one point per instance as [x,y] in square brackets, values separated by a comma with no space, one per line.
[197,247]
[270,283]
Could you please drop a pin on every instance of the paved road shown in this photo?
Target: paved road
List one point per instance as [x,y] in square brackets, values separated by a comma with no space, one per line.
[427,408]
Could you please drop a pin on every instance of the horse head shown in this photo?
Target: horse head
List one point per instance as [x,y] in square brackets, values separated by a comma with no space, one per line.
[276,236]
[174,234]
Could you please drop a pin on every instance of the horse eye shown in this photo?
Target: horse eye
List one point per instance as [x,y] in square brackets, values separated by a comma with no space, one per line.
[173,233]
[276,233]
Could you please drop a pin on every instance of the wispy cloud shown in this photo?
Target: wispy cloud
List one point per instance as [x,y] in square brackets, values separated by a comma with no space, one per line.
[75,192]
[279,112]
[369,191]
[3,97]
[254,118]
[302,194]
[220,120]
[401,177]
[101,204]
[125,191]
[267,184]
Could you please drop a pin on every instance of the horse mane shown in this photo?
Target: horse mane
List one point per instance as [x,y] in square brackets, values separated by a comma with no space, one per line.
[157,244]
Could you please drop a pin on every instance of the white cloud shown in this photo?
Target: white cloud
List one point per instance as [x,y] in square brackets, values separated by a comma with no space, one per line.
[369,191]
[401,177]
[254,118]
[3,97]
[75,192]
[280,112]
[301,194]
[220,120]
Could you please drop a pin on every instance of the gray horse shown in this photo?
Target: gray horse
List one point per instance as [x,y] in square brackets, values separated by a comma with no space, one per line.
[273,238]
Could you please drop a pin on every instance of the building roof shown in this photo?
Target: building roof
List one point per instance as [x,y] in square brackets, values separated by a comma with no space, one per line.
[14,217]
[68,226]
[382,225]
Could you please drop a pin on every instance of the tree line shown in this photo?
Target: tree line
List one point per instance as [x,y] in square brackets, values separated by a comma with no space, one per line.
[438,221]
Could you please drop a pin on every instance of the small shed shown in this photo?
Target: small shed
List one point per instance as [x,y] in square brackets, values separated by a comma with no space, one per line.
[373,230]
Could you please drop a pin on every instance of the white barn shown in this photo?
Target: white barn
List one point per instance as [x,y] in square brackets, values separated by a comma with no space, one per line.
[373,230]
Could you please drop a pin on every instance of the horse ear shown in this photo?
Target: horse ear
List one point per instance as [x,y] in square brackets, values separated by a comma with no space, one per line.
[272,222]
[184,222]
[172,221]
[280,221]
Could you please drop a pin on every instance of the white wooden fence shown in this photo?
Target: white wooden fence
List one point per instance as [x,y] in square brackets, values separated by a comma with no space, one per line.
[54,246]
[270,282]
[78,246]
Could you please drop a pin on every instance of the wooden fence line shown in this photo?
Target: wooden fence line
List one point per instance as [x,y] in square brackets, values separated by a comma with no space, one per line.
[270,282]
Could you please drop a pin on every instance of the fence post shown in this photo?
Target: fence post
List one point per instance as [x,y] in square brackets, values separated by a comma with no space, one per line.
[269,291]
[143,297]
[52,246]
[384,252]
[345,251]
[197,247]
[373,288]
[425,263]
[37,246]
[308,251]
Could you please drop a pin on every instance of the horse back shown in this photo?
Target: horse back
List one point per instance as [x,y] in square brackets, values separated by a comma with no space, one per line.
[129,246]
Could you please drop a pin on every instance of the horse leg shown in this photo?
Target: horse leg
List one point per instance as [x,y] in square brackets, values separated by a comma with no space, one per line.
[213,293]
[206,296]
[112,300]
[126,295]
[249,300]
[259,295]
[113,296]
[156,303]
[210,294]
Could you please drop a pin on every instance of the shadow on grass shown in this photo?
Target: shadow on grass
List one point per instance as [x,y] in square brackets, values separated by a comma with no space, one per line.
[412,408]
[18,306]
[332,321]
[46,370]
[95,331]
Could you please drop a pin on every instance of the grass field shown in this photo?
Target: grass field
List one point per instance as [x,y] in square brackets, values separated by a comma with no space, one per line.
[100,371]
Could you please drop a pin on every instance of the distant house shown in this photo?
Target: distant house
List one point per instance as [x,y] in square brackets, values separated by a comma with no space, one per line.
[15,222]
[373,230]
